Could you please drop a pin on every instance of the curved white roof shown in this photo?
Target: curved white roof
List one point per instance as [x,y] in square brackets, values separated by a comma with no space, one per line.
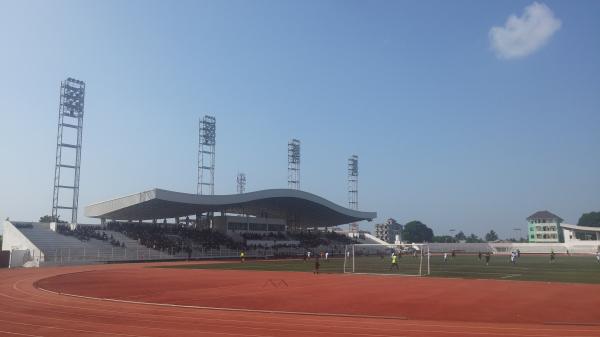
[301,208]
[581,228]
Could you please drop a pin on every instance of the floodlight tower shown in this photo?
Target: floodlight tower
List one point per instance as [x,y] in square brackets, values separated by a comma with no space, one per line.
[353,189]
[70,116]
[206,156]
[294,164]
[241,183]
[353,182]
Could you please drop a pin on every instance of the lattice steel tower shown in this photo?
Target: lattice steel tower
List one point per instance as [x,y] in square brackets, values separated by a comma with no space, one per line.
[206,156]
[353,182]
[241,183]
[294,164]
[70,116]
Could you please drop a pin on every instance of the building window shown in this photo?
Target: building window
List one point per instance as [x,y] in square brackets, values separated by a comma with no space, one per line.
[585,236]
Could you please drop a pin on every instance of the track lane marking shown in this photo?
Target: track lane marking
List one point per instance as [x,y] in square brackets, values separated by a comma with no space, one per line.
[16,288]
[19,334]
[283,312]
[404,323]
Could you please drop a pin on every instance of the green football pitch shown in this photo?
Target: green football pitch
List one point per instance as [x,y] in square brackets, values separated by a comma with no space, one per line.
[580,269]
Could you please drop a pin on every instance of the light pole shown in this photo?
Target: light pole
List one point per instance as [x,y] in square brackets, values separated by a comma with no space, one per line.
[518,231]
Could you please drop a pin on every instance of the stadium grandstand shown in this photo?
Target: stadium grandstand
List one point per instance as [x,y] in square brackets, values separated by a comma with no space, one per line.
[160,224]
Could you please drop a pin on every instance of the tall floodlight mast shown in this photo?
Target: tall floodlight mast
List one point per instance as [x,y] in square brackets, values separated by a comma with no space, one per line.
[353,188]
[206,156]
[353,182]
[68,144]
[294,164]
[241,183]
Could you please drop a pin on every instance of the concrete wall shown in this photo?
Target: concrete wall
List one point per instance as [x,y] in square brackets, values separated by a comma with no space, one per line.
[220,223]
[23,252]
[580,247]
[576,244]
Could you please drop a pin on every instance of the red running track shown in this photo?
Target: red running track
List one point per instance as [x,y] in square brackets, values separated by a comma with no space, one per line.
[424,307]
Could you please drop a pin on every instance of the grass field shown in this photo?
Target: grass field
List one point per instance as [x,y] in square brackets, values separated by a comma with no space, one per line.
[579,269]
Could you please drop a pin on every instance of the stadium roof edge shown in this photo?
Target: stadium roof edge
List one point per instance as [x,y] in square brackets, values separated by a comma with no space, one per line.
[300,207]
[122,197]
[580,228]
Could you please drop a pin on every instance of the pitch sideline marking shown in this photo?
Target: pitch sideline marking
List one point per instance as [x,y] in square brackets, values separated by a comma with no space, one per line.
[510,275]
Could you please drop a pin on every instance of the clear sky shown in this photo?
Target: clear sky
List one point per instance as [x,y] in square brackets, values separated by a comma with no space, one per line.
[461,117]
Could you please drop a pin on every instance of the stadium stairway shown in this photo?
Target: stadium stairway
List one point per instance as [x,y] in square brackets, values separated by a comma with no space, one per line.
[372,240]
[44,238]
[63,249]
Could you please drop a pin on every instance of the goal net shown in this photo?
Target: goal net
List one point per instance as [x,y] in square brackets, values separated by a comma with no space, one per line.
[412,259]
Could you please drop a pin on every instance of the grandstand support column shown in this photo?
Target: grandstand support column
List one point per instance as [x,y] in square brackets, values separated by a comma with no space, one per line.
[206,156]
[198,219]
[294,164]
[68,147]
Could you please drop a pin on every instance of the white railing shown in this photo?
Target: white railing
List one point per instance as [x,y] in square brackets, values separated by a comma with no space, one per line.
[80,256]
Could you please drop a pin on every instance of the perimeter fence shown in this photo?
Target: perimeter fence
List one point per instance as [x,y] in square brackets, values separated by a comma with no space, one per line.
[74,256]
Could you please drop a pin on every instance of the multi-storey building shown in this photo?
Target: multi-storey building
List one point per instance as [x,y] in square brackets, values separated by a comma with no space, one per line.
[544,226]
[388,230]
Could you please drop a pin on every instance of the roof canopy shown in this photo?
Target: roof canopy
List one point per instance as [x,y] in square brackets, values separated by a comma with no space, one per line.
[544,215]
[301,208]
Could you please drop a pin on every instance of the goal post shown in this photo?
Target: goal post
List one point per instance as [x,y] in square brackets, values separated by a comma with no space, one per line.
[412,259]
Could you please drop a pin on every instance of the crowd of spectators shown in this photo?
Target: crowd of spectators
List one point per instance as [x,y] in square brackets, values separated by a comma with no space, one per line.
[267,236]
[311,239]
[173,238]
[179,238]
[305,239]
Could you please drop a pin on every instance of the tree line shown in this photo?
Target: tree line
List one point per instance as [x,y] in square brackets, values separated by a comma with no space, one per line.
[591,219]
[416,231]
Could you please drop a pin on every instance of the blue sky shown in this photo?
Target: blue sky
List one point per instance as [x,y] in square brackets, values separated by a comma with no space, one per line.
[449,129]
